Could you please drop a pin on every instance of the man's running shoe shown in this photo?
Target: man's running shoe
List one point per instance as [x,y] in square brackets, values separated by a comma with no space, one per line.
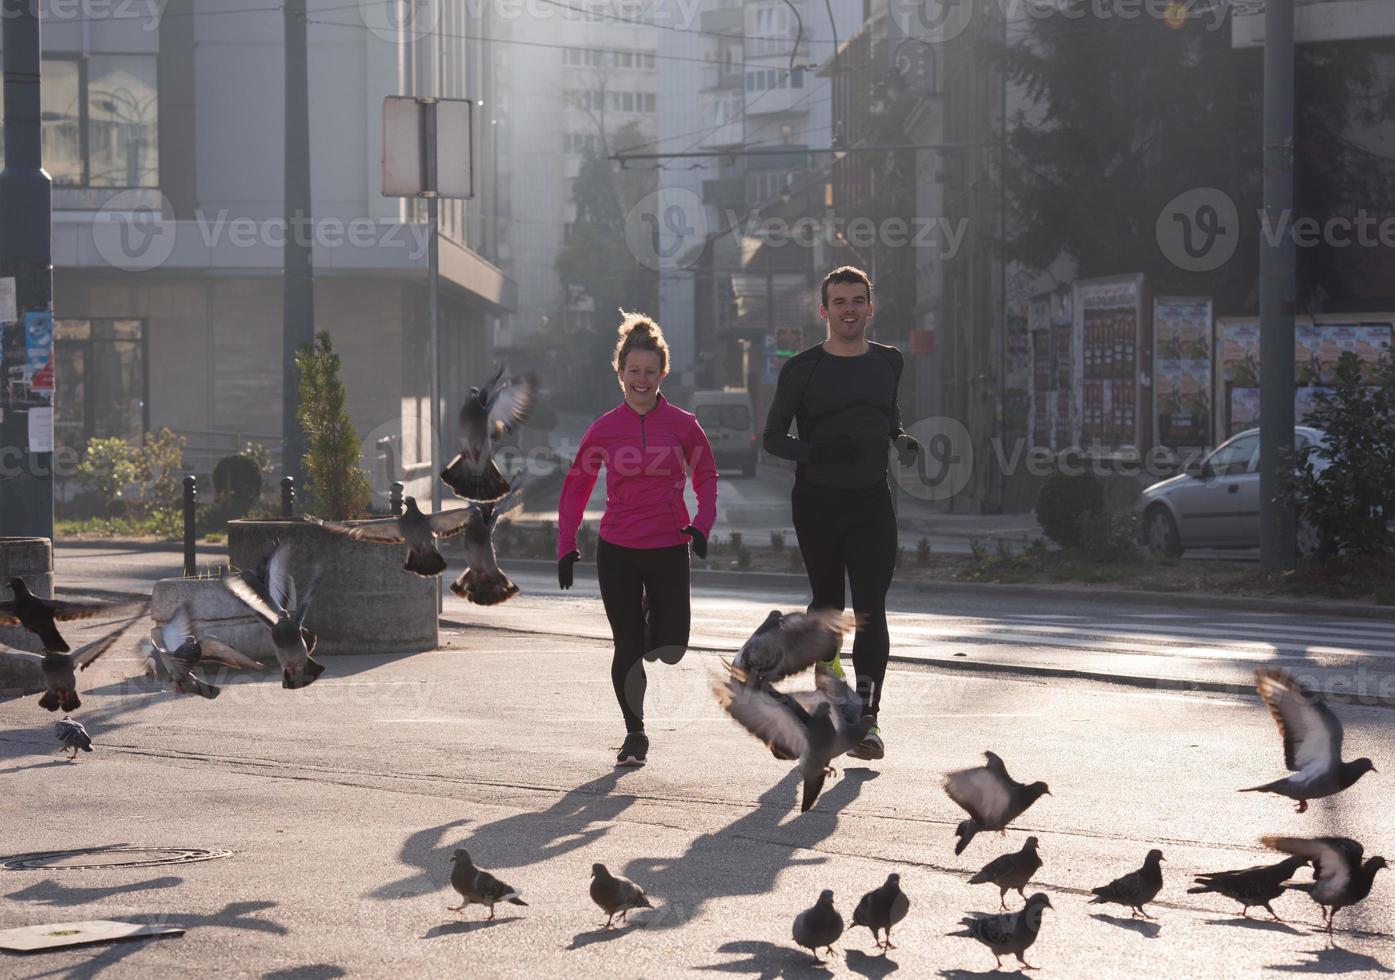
[871,746]
[833,665]
[634,751]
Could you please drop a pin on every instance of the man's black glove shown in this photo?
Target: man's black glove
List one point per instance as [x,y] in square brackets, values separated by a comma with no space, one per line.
[699,541]
[564,568]
[907,449]
[844,449]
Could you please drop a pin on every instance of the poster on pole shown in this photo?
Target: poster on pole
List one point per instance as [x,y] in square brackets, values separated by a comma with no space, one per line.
[1182,330]
[1114,338]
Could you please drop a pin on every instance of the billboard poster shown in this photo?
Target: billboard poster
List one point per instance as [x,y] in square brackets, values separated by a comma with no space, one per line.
[1243,410]
[1113,330]
[1182,333]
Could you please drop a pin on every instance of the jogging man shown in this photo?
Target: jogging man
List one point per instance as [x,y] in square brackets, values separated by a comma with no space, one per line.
[841,395]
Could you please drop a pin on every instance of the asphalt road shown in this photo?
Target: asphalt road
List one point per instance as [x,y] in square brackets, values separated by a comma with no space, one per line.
[339,805]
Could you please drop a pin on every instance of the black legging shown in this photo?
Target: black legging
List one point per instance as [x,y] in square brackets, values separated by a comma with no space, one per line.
[852,530]
[626,576]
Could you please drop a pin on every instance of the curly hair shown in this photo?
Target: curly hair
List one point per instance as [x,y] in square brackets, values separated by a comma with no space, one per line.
[639,332]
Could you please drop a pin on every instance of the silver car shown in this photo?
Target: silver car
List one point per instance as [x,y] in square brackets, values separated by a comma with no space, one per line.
[1215,503]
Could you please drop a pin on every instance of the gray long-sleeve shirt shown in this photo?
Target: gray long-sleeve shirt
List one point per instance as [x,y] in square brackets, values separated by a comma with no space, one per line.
[831,398]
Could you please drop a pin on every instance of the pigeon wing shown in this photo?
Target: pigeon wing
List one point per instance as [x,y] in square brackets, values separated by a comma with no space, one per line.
[448,523]
[181,624]
[14,654]
[983,793]
[85,655]
[280,587]
[1334,858]
[216,649]
[1311,732]
[251,598]
[381,530]
[65,611]
[510,404]
[760,713]
[302,605]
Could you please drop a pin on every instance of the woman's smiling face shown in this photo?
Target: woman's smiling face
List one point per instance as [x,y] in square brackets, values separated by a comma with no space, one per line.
[640,378]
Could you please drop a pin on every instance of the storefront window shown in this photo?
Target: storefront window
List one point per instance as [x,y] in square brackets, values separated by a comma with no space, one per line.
[100,381]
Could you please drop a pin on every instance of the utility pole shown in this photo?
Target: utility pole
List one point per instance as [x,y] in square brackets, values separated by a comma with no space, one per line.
[26,267]
[298,302]
[1276,290]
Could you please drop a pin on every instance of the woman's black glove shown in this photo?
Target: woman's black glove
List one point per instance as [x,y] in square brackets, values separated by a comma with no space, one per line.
[699,541]
[564,568]
[907,449]
[844,449]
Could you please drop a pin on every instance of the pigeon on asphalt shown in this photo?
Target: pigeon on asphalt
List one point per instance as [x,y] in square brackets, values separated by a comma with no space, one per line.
[1312,741]
[414,528]
[1008,932]
[37,614]
[815,730]
[1135,889]
[819,927]
[269,591]
[992,798]
[1011,871]
[478,887]
[1259,885]
[882,908]
[488,414]
[1340,878]
[790,643]
[180,646]
[59,669]
[73,736]
[615,896]
[483,582]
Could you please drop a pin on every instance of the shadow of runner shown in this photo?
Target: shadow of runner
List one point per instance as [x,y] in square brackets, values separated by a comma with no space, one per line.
[708,870]
[767,961]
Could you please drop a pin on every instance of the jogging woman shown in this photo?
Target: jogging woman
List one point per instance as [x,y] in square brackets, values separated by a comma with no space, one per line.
[649,449]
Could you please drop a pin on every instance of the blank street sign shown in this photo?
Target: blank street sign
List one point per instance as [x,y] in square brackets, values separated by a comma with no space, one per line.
[406,153]
[61,935]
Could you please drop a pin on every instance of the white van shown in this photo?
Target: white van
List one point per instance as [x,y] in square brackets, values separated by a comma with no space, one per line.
[730,425]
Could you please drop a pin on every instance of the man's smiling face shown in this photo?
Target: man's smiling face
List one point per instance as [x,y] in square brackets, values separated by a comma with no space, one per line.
[848,310]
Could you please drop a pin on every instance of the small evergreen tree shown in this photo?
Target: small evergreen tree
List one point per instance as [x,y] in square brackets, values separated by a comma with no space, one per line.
[334,479]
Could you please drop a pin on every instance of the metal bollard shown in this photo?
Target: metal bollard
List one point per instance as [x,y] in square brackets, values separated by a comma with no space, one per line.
[287,496]
[395,498]
[191,494]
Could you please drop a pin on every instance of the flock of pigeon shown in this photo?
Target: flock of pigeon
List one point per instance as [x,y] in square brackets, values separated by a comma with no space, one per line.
[809,727]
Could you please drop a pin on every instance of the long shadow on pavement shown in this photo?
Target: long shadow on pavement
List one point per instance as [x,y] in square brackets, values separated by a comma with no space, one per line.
[311,971]
[50,892]
[872,966]
[1334,960]
[1149,930]
[1262,925]
[766,961]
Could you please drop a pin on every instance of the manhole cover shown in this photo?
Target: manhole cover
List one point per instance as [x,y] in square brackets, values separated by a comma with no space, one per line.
[120,856]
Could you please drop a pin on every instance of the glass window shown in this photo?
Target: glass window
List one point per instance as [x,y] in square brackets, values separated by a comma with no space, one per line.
[1235,456]
[724,417]
[122,116]
[61,109]
[99,380]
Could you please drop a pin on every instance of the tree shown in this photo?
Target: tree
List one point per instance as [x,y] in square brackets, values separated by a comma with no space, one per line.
[336,483]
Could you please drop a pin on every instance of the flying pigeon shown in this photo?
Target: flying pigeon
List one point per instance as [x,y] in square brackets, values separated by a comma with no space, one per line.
[882,908]
[37,614]
[73,736]
[819,926]
[1008,932]
[269,591]
[1135,889]
[1250,886]
[488,414]
[478,887]
[413,527]
[1010,871]
[179,647]
[60,679]
[992,798]
[789,643]
[815,730]
[1340,879]
[615,896]
[483,582]
[1312,741]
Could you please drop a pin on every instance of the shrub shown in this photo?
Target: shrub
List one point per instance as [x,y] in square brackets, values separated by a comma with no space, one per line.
[335,480]
[159,468]
[1352,500]
[1064,501]
[736,540]
[107,470]
[1106,537]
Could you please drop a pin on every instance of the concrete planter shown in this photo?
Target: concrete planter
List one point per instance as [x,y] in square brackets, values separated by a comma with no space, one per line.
[365,602]
[218,611]
[32,560]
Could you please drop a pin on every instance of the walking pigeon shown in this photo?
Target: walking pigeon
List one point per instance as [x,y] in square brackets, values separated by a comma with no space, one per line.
[483,582]
[615,895]
[815,729]
[38,615]
[882,908]
[789,643]
[1312,741]
[1010,871]
[819,927]
[1259,885]
[1340,879]
[59,669]
[414,528]
[73,736]
[179,648]
[1135,889]
[489,413]
[478,887]
[1008,932]
[269,591]
[992,798]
